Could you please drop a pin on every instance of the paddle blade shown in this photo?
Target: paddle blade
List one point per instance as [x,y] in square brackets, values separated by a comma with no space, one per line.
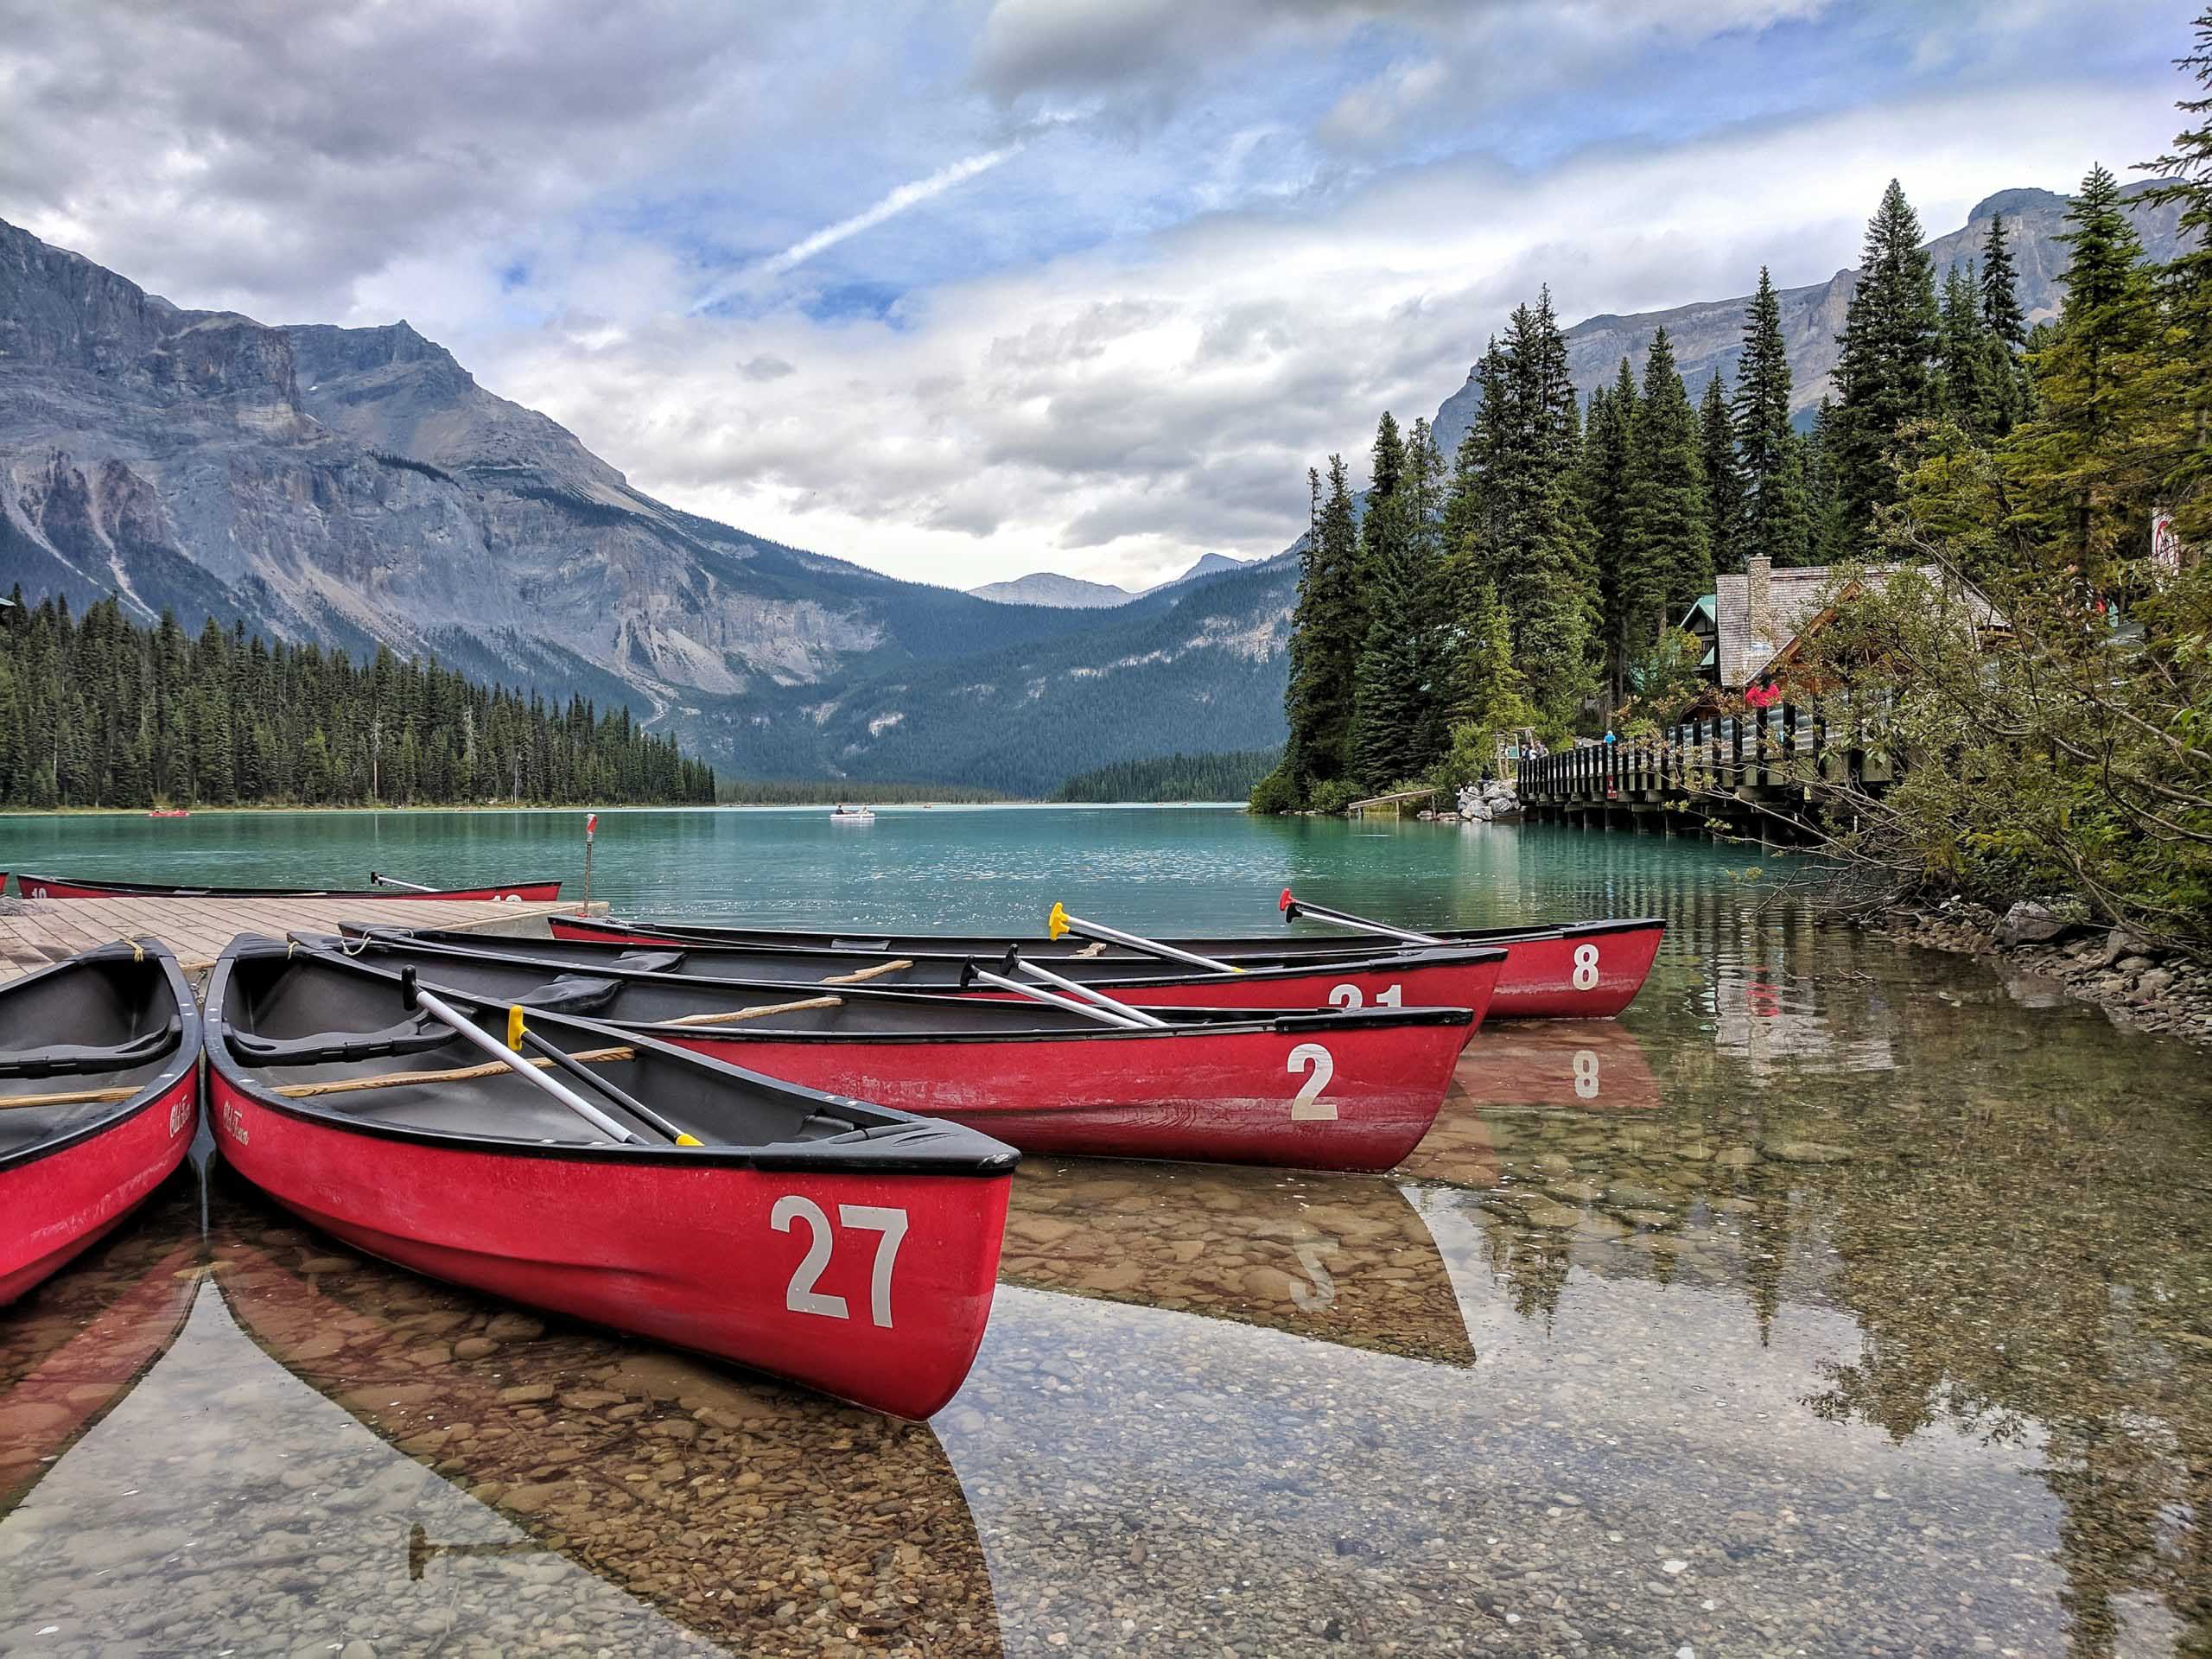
[1056,923]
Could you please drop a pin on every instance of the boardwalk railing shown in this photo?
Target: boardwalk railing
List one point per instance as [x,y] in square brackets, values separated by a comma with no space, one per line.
[1750,757]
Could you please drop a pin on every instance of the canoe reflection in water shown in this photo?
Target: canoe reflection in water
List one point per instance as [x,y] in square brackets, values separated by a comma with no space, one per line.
[764,1519]
[74,1346]
[1341,1258]
[1590,1068]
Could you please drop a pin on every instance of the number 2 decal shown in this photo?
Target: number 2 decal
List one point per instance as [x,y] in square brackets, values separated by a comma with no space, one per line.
[1586,967]
[1348,998]
[800,1296]
[1321,1065]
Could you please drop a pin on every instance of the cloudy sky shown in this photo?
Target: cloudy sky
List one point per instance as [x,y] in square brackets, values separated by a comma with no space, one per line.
[966,291]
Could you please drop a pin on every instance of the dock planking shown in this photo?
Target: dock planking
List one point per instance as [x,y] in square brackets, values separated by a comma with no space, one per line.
[39,931]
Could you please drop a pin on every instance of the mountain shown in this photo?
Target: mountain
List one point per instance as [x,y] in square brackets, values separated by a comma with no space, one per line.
[357,487]
[1709,336]
[1208,564]
[1046,587]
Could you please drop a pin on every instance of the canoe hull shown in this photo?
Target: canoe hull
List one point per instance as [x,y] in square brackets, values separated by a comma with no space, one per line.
[1588,972]
[795,1273]
[1242,1097]
[59,1205]
[49,887]
[1591,970]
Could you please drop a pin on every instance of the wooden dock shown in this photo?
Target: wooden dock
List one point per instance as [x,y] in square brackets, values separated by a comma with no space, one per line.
[37,931]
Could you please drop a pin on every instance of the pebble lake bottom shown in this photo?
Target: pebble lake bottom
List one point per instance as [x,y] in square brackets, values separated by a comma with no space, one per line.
[1840,1299]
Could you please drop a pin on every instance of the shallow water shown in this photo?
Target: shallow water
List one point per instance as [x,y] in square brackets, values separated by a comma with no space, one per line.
[1838,1299]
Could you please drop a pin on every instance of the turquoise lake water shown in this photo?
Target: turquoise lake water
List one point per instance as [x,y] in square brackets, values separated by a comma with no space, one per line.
[1840,1299]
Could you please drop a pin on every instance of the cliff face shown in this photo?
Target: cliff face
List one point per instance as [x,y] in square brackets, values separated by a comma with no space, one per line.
[1708,337]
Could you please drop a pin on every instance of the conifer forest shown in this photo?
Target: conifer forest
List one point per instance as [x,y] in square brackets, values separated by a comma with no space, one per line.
[97,712]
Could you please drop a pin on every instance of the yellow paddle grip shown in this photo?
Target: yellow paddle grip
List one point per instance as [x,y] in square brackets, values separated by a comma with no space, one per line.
[514,1027]
[1056,923]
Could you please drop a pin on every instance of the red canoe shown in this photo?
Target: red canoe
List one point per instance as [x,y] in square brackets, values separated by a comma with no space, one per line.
[1457,977]
[1339,1092]
[54,887]
[119,1020]
[1589,970]
[835,1243]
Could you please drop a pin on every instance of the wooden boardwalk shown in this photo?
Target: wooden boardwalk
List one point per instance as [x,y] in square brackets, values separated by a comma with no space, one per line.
[42,930]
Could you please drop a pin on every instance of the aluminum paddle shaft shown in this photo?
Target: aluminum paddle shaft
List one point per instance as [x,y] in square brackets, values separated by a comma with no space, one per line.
[1060,922]
[377,880]
[468,1030]
[1125,1019]
[1293,909]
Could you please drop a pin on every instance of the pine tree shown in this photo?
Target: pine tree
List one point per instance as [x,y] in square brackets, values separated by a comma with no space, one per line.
[1327,633]
[2177,390]
[1965,392]
[1724,478]
[1886,374]
[1605,489]
[1775,507]
[1398,712]
[2089,508]
[1668,561]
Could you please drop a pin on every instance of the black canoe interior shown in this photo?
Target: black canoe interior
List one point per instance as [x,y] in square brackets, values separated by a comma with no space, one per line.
[103,1020]
[651,998]
[288,1001]
[806,967]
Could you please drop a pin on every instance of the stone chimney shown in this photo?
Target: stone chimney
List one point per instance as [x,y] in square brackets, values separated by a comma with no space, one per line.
[1759,603]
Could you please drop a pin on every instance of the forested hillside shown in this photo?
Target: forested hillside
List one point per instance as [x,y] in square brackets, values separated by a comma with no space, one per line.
[98,711]
[1539,575]
[2020,521]
[1228,776]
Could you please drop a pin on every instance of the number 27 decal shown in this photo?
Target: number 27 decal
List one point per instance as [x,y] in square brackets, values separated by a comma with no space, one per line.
[801,1297]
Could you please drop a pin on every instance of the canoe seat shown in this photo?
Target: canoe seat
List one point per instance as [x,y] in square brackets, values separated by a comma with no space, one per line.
[647,962]
[72,1059]
[572,994]
[416,1036]
[820,1126]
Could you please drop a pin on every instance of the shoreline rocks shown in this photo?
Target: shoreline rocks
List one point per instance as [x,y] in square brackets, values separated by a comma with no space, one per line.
[2136,982]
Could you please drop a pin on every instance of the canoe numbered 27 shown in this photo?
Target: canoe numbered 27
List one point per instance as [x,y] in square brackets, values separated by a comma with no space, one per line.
[825,1240]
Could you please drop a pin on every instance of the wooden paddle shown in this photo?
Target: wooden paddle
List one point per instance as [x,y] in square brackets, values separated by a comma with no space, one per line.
[902,963]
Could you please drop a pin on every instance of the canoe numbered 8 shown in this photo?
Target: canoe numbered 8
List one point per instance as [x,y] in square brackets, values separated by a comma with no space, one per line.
[800,1296]
[1586,967]
[1347,997]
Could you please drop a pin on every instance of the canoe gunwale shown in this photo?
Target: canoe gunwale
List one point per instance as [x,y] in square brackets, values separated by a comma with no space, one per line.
[178,1065]
[875,1148]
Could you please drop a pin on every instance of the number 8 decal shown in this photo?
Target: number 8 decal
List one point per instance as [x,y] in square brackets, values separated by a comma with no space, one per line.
[1309,1106]
[1586,967]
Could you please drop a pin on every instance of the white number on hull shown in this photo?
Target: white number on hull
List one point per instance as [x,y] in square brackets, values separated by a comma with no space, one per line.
[800,1296]
[1586,967]
[1348,998]
[1320,1066]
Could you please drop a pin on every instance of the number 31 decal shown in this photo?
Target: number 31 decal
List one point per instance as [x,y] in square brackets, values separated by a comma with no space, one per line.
[1347,997]
[801,1297]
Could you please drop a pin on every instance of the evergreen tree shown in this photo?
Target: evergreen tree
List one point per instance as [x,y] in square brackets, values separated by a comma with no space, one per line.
[1886,374]
[1398,714]
[1724,478]
[1327,632]
[2176,388]
[2004,334]
[1668,561]
[1605,489]
[1964,392]
[2076,494]
[1775,506]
